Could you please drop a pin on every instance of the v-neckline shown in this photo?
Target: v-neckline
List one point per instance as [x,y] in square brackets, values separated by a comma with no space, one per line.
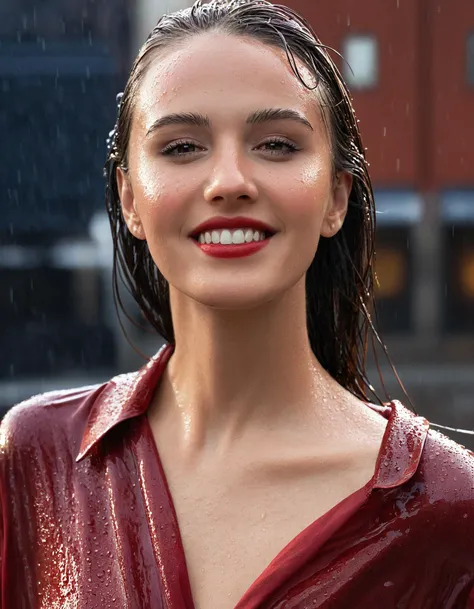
[287,560]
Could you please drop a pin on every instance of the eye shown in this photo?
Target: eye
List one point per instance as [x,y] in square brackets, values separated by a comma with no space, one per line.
[279,146]
[181,148]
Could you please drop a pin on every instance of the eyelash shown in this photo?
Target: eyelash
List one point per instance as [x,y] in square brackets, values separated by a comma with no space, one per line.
[170,149]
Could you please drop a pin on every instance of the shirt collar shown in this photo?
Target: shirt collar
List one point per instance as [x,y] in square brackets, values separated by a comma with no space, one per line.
[129,395]
[123,397]
[402,447]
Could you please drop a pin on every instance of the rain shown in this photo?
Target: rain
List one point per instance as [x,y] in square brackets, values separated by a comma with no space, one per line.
[98,484]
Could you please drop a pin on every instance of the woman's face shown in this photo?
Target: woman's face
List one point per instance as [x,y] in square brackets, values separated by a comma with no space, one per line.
[223,129]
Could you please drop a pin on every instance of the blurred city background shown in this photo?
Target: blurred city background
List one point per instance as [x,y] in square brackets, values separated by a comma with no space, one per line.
[412,77]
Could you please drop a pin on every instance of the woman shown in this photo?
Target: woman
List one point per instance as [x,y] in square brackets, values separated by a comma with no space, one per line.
[243,466]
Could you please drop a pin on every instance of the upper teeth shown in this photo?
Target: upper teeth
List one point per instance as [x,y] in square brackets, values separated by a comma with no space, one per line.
[228,237]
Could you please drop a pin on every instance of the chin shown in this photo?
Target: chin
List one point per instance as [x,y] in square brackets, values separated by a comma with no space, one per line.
[236,298]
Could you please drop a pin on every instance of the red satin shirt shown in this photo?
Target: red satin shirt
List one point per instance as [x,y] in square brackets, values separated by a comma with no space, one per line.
[87,520]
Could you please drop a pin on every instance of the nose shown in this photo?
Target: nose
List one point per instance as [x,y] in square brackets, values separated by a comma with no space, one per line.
[231,180]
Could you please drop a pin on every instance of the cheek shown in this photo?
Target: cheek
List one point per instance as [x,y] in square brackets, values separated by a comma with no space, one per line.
[150,185]
[306,198]
[158,213]
[163,201]
[160,199]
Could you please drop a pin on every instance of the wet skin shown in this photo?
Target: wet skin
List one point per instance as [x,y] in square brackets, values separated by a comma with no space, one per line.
[243,378]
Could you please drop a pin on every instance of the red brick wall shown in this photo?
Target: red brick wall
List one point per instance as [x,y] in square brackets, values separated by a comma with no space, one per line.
[387,112]
[453,108]
[418,123]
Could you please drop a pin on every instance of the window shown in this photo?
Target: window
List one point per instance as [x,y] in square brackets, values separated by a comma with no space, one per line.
[360,68]
[457,212]
[470,59]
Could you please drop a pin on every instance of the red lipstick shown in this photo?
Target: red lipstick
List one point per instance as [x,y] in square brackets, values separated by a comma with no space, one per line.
[235,250]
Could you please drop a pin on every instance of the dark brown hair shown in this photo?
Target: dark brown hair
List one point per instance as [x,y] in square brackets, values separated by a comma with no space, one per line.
[339,282]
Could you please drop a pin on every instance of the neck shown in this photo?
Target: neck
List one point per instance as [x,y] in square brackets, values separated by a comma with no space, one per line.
[235,369]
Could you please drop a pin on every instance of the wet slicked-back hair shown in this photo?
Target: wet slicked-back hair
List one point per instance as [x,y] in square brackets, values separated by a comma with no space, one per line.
[339,282]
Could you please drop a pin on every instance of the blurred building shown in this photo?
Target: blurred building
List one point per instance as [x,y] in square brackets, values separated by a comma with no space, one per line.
[61,66]
[410,68]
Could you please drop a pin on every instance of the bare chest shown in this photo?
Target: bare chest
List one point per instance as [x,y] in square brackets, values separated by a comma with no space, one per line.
[232,529]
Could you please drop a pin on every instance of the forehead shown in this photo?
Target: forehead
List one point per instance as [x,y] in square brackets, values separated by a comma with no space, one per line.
[224,73]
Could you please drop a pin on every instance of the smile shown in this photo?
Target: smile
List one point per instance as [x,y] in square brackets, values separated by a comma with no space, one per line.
[225,237]
[232,243]
[231,237]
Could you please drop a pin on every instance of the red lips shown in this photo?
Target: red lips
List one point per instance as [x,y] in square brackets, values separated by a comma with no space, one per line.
[218,250]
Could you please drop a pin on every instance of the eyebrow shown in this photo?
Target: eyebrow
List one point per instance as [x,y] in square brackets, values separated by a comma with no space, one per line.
[278,114]
[255,118]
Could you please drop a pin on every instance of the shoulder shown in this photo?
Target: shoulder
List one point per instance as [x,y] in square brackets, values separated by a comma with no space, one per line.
[431,475]
[56,422]
[47,419]
[447,469]
[442,468]
[442,495]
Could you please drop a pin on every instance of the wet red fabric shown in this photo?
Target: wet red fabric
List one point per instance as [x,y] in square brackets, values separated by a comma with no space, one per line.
[87,520]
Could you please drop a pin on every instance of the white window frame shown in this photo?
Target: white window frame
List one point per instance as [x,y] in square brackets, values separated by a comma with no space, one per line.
[356,75]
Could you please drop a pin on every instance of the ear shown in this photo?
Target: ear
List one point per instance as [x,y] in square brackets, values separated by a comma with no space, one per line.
[127,200]
[337,208]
